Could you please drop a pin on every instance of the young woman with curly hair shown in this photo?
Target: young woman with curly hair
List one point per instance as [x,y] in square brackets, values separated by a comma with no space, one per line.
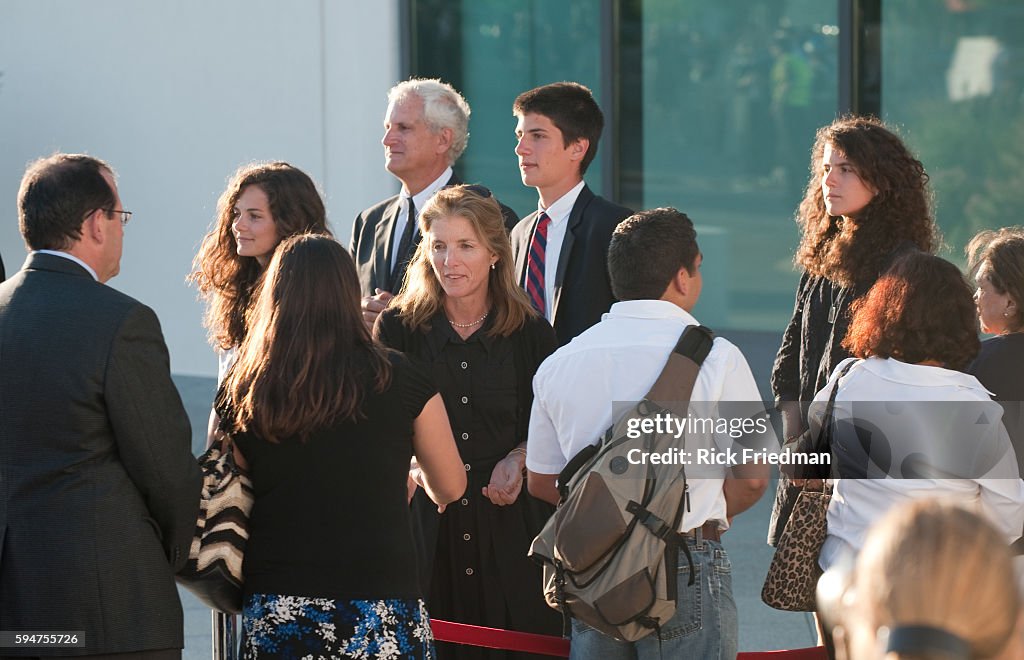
[866,201]
[263,204]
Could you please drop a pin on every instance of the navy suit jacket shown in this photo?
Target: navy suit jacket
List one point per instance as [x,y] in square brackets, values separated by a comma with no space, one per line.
[372,236]
[583,290]
[99,491]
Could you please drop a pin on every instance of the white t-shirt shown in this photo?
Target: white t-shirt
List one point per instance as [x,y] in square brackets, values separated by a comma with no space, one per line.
[618,360]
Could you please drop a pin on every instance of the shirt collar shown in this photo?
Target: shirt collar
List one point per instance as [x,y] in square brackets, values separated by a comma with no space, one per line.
[649,309]
[562,207]
[919,374]
[68,255]
[421,198]
[441,333]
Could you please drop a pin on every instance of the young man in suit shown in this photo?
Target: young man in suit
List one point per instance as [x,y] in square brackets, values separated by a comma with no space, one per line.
[561,250]
[426,129]
[100,491]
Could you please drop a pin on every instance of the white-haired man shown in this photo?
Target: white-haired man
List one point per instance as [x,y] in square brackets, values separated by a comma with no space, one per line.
[426,129]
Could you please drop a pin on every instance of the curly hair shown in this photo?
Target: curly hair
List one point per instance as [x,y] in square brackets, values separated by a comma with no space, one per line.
[422,296]
[852,250]
[998,255]
[899,315]
[227,281]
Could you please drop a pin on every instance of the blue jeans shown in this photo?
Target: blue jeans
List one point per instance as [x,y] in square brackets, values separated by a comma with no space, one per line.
[704,626]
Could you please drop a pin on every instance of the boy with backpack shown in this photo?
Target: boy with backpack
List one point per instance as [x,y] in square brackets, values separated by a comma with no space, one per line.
[654,265]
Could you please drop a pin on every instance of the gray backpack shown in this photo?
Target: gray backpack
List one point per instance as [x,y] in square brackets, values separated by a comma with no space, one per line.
[611,550]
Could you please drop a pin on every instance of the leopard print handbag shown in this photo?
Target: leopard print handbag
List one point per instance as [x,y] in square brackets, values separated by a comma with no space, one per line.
[793,574]
[794,571]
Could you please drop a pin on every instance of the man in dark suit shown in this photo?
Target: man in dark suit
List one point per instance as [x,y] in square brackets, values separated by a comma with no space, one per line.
[99,491]
[426,129]
[561,250]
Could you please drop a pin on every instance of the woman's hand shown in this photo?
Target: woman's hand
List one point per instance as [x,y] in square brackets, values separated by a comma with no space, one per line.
[506,480]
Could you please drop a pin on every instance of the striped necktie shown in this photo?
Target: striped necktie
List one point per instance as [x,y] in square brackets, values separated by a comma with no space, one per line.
[535,264]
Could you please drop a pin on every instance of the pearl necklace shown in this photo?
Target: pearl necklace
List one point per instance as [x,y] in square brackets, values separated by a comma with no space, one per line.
[470,325]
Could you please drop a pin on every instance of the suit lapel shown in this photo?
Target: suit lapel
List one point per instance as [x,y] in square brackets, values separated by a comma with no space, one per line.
[523,251]
[575,220]
[383,238]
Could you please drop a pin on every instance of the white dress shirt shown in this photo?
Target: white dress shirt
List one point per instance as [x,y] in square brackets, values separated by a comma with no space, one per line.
[618,360]
[917,427]
[67,255]
[559,212]
[420,200]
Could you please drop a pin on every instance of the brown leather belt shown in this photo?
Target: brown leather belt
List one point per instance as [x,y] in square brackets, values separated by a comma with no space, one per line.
[708,531]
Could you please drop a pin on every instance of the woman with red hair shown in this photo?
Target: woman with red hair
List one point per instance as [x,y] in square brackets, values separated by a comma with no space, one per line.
[908,423]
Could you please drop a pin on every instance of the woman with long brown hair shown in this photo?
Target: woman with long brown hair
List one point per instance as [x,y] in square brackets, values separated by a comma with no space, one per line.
[327,421]
[867,200]
[263,204]
[461,315]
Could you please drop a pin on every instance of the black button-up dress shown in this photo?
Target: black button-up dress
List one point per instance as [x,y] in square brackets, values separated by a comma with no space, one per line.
[473,564]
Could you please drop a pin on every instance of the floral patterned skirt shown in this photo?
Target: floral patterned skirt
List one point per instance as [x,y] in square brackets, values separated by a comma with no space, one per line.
[300,628]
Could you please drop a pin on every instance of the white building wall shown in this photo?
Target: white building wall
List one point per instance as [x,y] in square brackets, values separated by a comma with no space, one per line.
[175,95]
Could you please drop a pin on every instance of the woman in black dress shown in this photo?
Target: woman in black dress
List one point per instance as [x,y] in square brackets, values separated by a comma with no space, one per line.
[867,200]
[461,315]
[327,420]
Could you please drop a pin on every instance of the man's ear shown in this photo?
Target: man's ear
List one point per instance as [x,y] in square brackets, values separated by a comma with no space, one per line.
[94,226]
[444,142]
[578,149]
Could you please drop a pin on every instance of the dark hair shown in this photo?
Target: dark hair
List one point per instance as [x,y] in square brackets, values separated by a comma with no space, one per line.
[56,195]
[647,250]
[308,359]
[422,296]
[852,252]
[920,309]
[227,280]
[571,108]
[999,256]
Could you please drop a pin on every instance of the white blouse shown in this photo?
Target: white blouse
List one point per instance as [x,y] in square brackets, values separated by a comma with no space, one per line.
[935,415]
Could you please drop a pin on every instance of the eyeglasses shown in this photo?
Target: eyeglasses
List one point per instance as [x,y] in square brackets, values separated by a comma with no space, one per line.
[125,215]
[474,188]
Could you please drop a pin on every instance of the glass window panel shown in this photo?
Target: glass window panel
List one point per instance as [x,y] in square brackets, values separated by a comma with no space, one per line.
[729,96]
[953,82]
[492,50]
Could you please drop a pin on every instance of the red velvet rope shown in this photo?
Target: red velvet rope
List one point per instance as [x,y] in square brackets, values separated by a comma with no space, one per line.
[495,638]
[509,640]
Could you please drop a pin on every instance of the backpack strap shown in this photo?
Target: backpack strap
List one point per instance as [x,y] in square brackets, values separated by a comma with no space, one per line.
[671,390]
[674,385]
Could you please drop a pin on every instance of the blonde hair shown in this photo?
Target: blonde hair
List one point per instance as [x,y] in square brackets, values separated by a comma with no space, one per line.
[933,563]
[421,295]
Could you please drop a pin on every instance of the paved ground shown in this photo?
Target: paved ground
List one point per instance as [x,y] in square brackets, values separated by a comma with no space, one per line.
[761,628]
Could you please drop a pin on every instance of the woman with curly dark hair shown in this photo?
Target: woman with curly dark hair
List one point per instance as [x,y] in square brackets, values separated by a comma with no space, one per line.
[908,424]
[867,200]
[263,204]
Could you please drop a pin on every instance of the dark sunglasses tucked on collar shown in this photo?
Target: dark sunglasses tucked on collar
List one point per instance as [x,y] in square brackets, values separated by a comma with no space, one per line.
[474,188]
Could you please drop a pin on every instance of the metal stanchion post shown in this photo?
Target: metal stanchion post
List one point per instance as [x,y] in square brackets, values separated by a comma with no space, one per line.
[225,636]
